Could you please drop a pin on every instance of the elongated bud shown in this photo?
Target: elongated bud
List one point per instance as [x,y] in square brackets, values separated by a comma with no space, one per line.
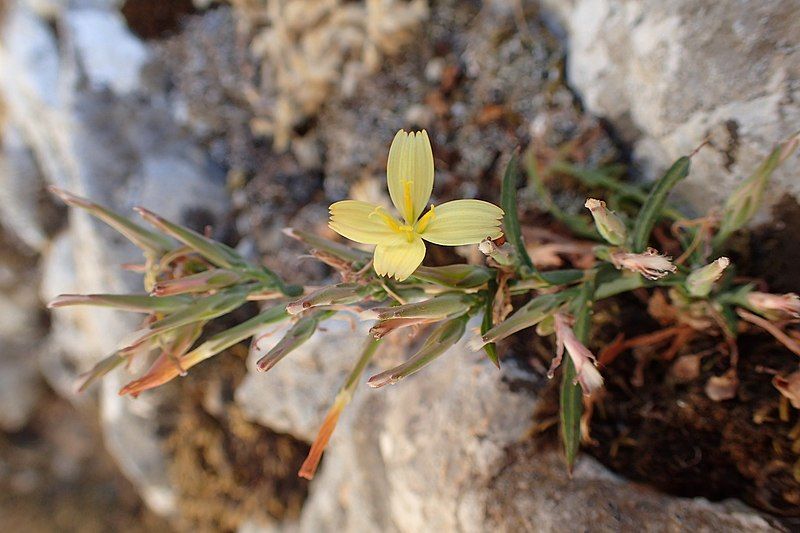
[700,281]
[775,306]
[209,280]
[529,315]
[649,264]
[137,303]
[300,332]
[455,276]
[211,347]
[341,294]
[582,358]
[502,255]
[440,340]
[443,307]
[610,226]
[789,386]
[168,364]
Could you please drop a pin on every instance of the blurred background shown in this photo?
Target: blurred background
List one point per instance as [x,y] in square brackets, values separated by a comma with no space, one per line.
[249,116]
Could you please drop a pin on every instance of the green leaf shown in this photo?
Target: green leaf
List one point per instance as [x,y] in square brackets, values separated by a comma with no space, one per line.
[101,369]
[440,340]
[486,324]
[653,206]
[508,201]
[746,200]
[225,339]
[300,332]
[580,226]
[217,253]
[455,276]
[145,239]
[571,400]
[137,303]
[529,314]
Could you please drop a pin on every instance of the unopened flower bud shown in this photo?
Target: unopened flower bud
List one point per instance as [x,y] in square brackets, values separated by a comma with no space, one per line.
[582,359]
[300,332]
[217,278]
[502,255]
[456,276]
[341,294]
[700,281]
[608,224]
[789,386]
[649,264]
[775,306]
[439,341]
[529,315]
[443,307]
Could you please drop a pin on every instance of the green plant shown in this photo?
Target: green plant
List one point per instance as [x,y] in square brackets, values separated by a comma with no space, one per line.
[189,279]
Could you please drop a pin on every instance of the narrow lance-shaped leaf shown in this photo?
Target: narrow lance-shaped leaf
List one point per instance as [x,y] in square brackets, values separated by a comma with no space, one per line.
[439,307]
[526,316]
[211,347]
[101,369]
[746,200]
[508,201]
[145,239]
[202,309]
[339,294]
[299,333]
[486,324]
[455,276]
[440,340]
[216,278]
[137,303]
[571,399]
[653,206]
[343,398]
[576,223]
[219,254]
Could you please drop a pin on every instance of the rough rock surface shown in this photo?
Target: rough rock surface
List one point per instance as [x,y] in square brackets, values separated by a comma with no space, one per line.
[447,450]
[669,74]
[97,126]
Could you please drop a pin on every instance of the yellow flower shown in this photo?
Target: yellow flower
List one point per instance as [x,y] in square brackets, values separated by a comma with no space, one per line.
[399,244]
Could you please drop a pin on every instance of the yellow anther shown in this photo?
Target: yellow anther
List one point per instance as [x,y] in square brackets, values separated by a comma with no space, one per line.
[425,220]
[387,218]
[408,200]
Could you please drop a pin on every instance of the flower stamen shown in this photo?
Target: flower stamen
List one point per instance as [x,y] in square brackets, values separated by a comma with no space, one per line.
[387,218]
[426,219]
[408,200]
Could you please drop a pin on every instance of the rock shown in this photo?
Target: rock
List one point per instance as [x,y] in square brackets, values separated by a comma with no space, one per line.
[534,494]
[21,330]
[97,129]
[447,449]
[109,53]
[20,185]
[294,396]
[668,74]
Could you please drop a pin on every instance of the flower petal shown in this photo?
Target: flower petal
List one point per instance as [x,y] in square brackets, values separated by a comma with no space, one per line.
[399,260]
[463,222]
[355,220]
[411,161]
